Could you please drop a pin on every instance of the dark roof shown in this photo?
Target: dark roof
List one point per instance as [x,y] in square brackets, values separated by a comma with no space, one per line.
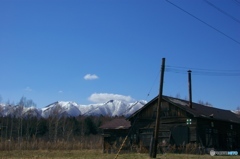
[119,123]
[197,110]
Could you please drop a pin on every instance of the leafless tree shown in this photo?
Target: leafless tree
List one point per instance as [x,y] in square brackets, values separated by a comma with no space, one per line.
[26,102]
[53,122]
[178,96]
[1,110]
[205,103]
[1,122]
[19,115]
[64,126]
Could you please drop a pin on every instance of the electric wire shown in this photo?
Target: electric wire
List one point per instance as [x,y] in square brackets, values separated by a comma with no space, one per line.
[203,22]
[200,71]
[222,11]
[153,84]
[237,2]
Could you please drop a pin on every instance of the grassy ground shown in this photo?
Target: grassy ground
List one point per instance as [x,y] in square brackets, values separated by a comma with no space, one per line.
[96,154]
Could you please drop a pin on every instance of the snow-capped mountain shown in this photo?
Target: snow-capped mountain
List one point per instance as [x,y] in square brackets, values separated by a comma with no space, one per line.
[63,108]
[19,111]
[110,108]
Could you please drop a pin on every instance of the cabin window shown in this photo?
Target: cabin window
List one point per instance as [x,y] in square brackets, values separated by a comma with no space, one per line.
[134,136]
[231,127]
[212,124]
[189,121]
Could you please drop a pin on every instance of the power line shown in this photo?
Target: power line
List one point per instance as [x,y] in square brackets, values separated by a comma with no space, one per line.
[222,11]
[203,69]
[153,84]
[205,72]
[204,22]
[237,2]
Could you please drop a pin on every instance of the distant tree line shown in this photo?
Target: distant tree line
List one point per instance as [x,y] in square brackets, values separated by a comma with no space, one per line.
[50,129]
[18,131]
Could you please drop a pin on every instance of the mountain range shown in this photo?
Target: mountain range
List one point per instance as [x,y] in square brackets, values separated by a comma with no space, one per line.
[68,108]
[72,109]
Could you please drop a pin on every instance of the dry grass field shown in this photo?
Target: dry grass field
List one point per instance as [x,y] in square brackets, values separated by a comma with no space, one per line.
[95,154]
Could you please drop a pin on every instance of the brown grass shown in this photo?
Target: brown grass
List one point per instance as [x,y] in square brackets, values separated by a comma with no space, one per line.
[85,142]
[95,154]
[89,147]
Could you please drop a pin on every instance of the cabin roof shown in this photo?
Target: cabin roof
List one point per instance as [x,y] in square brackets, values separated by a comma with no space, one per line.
[197,110]
[118,123]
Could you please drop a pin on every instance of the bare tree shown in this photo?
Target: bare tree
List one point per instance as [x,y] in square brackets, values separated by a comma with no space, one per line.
[178,96]
[19,115]
[1,122]
[53,122]
[205,103]
[64,126]
[26,102]
[11,123]
[1,111]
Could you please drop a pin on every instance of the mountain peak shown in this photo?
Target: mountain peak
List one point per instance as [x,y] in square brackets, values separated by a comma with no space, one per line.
[69,108]
[110,101]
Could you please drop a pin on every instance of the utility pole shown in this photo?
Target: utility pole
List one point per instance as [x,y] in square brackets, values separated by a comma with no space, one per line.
[190,88]
[153,153]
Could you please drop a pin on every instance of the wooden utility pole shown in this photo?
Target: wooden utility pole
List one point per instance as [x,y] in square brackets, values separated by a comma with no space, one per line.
[153,153]
[190,88]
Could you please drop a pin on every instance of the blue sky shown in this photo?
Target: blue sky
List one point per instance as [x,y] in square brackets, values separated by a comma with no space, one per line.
[93,50]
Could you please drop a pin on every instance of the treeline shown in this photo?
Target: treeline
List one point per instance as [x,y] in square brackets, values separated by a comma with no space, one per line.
[22,132]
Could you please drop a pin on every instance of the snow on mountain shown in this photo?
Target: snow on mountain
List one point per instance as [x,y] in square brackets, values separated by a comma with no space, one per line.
[18,111]
[31,112]
[6,109]
[112,108]
[63,108]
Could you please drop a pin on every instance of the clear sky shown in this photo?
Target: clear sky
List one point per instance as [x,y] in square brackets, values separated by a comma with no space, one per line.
[90,51]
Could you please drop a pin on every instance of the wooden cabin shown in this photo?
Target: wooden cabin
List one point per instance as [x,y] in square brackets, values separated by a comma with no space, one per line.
[181,124]
[113,134]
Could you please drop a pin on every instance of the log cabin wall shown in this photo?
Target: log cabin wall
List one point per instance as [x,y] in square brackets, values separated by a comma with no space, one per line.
[179,125]
[221,135]
[173,121]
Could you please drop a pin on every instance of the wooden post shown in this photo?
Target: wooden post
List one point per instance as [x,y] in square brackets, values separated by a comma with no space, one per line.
[190,88]
[155,139]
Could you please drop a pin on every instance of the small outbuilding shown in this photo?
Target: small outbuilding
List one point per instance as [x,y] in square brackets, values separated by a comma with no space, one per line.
[113,134]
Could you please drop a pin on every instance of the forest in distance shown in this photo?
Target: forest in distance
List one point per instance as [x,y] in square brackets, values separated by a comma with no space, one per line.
[33,133]
[18,132]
